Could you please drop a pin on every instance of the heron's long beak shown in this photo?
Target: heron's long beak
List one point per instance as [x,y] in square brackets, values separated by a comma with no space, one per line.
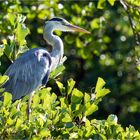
[77,29]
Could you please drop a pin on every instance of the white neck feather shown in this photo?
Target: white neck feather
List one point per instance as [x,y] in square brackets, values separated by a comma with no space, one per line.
[57,45]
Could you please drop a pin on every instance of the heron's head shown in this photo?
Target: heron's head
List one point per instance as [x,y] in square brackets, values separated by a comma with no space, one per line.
[63,25]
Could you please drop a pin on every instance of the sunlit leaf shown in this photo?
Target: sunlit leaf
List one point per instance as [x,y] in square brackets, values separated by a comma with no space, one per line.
[101,4]
[57,71]
[66,118]
[138,67]
[21,32]
[61,87]
[3,79]
[86,98]
[90,109]
[102,93]
[99,85]
[36,100]
[18,123]
[76,96]
[95,24]
[1,90]
[56,119]
[79,43]
[45,132]
[7,99]
[107,53]
[64,103]
[12,18]
[71,84]
[99,90]
[111,2]
[1,50]
[10,121]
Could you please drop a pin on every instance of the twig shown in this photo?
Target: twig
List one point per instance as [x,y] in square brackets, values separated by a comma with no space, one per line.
[126,7]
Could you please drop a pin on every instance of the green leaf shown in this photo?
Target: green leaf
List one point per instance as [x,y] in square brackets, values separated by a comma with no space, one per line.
[76,96]
[44,133]
[69,125]
[53,97]
[9,121]
[89,109]
[79,43]
[86,98]
[46,97]
[99,90]
[102,137]
[71,84]
[9,50]
[1,90]
[2,47]
[61,87]
[64,103]
[112,119]
[35,100]
[102,93]
[12,18]
[57,71]
[95,24]
[111,2]
[66,118]
[99,85]
[21,32]
[7,98]
[101,4]
[18,123]
[87,123]
[138,67]
[78,107]
[3,79]
[56,119]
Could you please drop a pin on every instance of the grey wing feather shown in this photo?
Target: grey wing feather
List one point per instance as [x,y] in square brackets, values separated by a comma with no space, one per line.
[25,75]
[46,78]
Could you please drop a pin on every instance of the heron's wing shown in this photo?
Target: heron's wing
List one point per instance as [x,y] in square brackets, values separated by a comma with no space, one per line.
[20,77]
[25,75]
[46,78]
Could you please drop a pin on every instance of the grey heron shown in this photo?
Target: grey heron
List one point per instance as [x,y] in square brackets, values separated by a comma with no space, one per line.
[32,69]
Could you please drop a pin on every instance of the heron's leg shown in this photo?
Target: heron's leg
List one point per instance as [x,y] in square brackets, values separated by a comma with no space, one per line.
[18,105]
[29,104]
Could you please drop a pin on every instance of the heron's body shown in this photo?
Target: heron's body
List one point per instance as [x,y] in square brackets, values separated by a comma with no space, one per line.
[32,69]
[28,72]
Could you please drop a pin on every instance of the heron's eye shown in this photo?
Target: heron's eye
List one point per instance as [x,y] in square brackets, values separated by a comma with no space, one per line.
[44,54]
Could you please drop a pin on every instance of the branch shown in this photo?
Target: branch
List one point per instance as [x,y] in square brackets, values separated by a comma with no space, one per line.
[127,7]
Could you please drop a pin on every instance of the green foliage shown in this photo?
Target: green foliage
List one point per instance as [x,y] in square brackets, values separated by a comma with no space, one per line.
[3,79]
[57,71]
[21,31]
[17,43]
[60,117]
[99,90]
[110,51]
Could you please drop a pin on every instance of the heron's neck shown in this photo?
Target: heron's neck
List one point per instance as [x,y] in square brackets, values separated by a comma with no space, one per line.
[57,47]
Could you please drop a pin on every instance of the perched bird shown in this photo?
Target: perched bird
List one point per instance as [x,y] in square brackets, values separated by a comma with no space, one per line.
[32,69]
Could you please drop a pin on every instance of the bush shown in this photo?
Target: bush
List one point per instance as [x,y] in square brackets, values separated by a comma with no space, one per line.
[109,52]
[60,117]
